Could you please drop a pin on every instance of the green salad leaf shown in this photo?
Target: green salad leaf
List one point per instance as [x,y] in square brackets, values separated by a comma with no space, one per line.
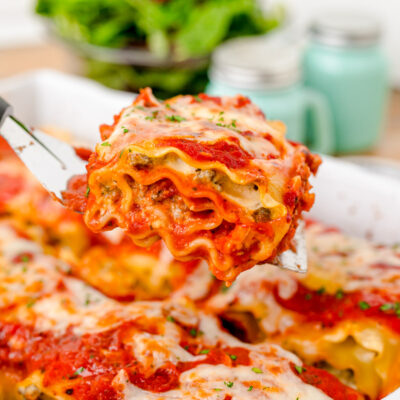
[176,30]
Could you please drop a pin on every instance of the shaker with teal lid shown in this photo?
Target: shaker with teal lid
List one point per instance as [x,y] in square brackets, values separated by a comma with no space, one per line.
[344,62]
[269,73]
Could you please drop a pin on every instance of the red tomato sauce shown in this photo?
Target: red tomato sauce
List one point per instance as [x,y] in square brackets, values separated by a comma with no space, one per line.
[10,186]
[330,309]
[86,365]
[326,382]
[76,195]
[228,153]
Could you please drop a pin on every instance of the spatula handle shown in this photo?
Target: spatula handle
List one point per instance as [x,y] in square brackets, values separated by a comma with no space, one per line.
[5,110]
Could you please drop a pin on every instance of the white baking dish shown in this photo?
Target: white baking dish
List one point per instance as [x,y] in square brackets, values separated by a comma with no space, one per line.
[359,202]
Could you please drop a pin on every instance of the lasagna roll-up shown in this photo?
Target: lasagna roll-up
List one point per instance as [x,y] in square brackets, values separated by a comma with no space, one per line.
[210,176]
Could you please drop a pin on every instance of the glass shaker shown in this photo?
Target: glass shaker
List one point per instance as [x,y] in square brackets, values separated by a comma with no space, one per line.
[268,71]
[345,63]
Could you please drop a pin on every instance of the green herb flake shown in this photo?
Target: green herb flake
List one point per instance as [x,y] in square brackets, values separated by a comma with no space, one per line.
[106,144]
[124,130]
[257,370]
[364,305]
[170,318]
[339,294]
[386,307]
[228,384]
[79,371]
[87,191]
[224,288]
[321,290]
[167,105]
[204,351]
[299,369]
[120,154]
[250,388]
[193,332]
[197,98]
[308,296]
[140,108]
[175,118]
[24,258]
[233,357]
[233,123]
[30,303]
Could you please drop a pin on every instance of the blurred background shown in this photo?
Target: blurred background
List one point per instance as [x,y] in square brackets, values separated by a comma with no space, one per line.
[330,69]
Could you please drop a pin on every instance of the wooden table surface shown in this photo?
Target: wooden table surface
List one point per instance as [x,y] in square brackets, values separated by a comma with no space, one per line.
[54,55]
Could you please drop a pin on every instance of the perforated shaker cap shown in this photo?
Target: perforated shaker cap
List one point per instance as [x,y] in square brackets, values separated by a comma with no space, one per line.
[346,29]
[255,63]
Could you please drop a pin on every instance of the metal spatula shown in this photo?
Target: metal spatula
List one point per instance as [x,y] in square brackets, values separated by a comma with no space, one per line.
[54,163]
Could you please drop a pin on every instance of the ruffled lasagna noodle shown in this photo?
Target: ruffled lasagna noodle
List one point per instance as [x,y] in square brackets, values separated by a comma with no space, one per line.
[210,176]
[344,315]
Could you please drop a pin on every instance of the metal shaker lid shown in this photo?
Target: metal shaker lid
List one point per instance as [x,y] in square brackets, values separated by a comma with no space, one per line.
[346,29]
[256,63]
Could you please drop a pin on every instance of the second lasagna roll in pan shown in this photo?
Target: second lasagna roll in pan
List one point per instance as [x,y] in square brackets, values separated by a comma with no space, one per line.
[210,176]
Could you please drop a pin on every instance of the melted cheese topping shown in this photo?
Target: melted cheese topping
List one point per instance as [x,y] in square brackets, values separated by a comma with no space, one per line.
[359,276]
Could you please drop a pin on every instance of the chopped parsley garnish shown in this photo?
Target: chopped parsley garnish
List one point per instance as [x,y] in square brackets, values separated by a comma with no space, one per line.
[193,332]
[24,258]
[224,288]
[321,290]
[175,118]
[339,294]
[257,370]
[386,307]
[170,318]
[217,389]
[364,305]
[125,130]
[106,144]
[120,154]
[78,371]
[167,105]
[299,369]
[308,296]
[197,98]
[204,351]
[233,123]
[30,303]
[87,301]
[228,384]
[250,388]
[140,108]
[87,191]
[233,357]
